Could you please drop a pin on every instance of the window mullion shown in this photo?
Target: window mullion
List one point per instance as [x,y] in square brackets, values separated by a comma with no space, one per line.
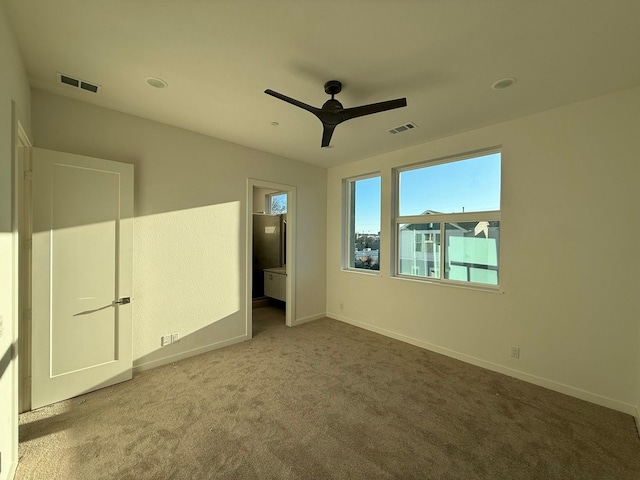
[443,242]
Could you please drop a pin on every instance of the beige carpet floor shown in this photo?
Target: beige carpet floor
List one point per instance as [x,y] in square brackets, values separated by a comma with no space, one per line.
[325,400]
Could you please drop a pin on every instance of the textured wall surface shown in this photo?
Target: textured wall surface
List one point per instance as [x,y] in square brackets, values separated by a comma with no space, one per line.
[14,87]
[569,257]
[191,222]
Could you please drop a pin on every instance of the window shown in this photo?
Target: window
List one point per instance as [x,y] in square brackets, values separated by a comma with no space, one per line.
[448,220]
[362,197]
[276,203]
[419,242]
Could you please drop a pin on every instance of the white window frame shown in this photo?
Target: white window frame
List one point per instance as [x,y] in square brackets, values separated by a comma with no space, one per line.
[442,219]
[347,220]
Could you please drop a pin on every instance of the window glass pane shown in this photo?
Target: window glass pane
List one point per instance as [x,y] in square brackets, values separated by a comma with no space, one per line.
[472,251]
[278,203]
[419,249]
[471,185]
[364,223]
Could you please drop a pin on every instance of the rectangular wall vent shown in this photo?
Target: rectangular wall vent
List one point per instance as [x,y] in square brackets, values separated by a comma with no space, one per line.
[77,83]
[403,128]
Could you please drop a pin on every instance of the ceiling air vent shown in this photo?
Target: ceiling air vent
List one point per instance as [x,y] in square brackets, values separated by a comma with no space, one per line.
[403,128]
[77,83]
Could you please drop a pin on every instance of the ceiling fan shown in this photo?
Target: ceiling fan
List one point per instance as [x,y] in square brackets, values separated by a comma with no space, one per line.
[333,113]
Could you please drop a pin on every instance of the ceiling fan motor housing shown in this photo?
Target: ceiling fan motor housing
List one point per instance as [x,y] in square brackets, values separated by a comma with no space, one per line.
[332,105]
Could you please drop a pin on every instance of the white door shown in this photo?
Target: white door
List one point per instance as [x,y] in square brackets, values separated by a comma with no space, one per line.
[81,274]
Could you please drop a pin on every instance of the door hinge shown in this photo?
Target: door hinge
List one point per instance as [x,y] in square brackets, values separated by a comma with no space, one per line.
[28,175]
[28,243]
[27,314]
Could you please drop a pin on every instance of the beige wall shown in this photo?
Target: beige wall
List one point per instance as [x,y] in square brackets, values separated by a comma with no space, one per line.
[190,225]
[569,256]
[14,87]
[258,198]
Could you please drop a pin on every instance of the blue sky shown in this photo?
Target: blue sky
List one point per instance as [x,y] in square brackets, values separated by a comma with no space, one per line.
[468,185]
[368,205]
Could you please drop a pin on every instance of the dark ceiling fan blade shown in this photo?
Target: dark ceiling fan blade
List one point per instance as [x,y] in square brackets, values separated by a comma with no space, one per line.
[327,132]
[293,101]
[332,112]
[349,113]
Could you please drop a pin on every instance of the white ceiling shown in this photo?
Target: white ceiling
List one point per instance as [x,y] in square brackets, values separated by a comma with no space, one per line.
[219,56]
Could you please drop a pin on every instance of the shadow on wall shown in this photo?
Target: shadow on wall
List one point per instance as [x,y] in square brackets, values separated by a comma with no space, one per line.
[6,359]
[188,277]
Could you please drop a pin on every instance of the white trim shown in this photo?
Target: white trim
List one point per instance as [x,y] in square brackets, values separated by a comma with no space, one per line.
[13,467]
[362,271]
[19,138]
[348,237]
[482,152]
[540,381]
[290,190]
[450,283]
[189,353]
[24,226]
[310,318]
[491,215]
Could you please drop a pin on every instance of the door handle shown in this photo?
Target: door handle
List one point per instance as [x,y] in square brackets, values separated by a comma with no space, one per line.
[122,301]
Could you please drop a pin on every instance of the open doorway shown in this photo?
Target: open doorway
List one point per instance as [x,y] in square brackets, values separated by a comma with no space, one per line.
[270,255]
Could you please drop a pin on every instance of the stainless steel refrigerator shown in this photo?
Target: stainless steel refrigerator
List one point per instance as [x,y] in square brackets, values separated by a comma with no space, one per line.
[269,247]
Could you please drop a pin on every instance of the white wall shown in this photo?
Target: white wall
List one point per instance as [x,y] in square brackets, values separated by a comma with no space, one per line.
[569,255]
[258,198]
[13,87]
[190,225]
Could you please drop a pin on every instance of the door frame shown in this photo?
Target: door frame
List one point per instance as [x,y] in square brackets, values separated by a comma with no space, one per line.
[290,249]
[22,259]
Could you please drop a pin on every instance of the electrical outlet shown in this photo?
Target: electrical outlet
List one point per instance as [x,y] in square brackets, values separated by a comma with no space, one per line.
[515,352]
[165,340]
[175,337]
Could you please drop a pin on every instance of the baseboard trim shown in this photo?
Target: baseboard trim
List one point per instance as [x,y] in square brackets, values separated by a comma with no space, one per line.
[11,472]
[311,318]
[540,381]
[189,353]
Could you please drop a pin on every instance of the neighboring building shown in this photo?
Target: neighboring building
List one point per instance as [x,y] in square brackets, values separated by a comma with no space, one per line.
[471,254]
[367,251]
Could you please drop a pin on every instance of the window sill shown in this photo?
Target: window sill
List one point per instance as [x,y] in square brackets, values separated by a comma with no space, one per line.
[465,286]
[363,271]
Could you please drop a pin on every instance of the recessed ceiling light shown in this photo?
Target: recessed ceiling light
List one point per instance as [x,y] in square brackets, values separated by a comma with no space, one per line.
[503,83]
[156,82]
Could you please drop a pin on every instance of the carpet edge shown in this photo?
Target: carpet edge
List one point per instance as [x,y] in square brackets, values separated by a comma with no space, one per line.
[495,367]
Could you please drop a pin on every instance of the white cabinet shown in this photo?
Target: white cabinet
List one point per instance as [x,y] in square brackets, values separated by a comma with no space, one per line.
[275,285]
